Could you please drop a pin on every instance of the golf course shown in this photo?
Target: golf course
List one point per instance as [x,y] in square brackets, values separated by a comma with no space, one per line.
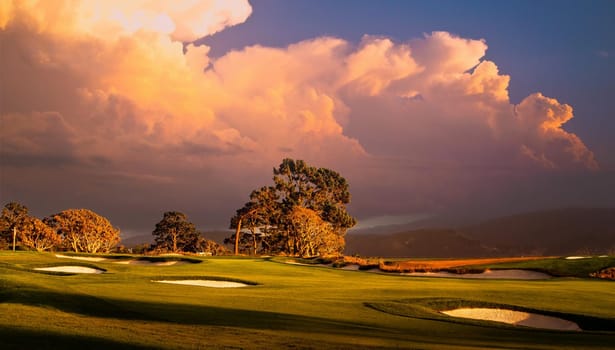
[269,303]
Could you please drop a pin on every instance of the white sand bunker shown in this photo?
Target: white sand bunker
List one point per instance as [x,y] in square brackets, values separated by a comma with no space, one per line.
[207,283]
[488,274]
[70,269]
[152,263]
[80,257]
[515,318]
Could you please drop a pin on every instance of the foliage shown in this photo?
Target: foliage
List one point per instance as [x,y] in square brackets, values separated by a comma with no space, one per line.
[83,230]
[210,247]
[256,216]
[13,217]
[175,233]
[303,213]
[35,234]
[311,234]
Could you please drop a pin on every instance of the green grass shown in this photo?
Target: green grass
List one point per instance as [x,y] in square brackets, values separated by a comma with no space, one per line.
[560,267]
[289,306]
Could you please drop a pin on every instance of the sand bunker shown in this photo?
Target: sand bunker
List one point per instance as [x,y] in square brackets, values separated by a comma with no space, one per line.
[489,274]
[70,269]
[577,257]
[515,318]
[151,263]
[80,258]
[293,262]
[207,283]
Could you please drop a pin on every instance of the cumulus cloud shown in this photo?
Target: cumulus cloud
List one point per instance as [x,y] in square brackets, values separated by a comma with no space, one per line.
[112,87]
[183,20]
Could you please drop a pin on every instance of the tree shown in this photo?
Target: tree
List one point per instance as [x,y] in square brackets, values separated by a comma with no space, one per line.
[83,230]
[37,235]
[304,213]
[210,247]
[256,215]
[12,219]
[312,235]
[175,233]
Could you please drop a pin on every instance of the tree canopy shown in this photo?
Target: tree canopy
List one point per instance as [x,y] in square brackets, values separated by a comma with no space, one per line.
[175,233]
[303,213]
[83,230]
[35,234]
[13,218]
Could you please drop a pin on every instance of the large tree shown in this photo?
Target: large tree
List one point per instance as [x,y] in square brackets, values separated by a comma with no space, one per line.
[83,230]
[175,233]
[13,218]
[304,213]
[255,217]
[35,234]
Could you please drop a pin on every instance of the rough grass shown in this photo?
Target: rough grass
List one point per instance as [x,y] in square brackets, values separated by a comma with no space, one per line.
[560,267]
[430,309]
[292,306]
[445,264]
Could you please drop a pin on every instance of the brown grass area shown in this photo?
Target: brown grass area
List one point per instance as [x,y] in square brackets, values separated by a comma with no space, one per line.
[437,265]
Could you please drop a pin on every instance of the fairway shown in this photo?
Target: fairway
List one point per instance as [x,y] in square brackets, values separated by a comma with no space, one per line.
[280,306]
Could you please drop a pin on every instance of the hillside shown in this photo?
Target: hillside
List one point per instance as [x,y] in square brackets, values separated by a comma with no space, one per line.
[553,232]
[423,243]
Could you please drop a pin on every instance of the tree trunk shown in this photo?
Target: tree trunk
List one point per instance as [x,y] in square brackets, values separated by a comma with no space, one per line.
[14,237]
[237,236]
[253,241]
[174,237]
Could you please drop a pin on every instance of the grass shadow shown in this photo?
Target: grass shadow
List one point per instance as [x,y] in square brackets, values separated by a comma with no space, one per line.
[15,338]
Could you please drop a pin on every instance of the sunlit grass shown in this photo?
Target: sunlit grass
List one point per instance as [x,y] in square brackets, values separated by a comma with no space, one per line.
[290,306]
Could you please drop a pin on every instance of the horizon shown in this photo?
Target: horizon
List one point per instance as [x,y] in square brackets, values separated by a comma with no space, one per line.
[444,110]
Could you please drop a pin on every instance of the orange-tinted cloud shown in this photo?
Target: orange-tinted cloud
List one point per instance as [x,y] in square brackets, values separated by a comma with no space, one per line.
[109,85]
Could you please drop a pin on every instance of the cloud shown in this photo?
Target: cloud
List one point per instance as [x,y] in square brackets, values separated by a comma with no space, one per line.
[182,20]
[109,86]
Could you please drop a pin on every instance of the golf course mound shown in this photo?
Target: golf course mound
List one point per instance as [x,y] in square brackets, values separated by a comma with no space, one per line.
[169,260]
[513,274]
[513,317]
[84,258]
[211,282]
[70,269]
[484,313]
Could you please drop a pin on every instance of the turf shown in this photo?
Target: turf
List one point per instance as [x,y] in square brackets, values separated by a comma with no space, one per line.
[560,267]
[287,306]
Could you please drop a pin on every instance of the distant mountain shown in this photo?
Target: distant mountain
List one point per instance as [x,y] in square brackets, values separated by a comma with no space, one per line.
[131,242]
[552,232]
[423,243]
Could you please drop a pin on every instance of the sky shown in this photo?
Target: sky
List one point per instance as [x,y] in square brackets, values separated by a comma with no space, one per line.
[440,109]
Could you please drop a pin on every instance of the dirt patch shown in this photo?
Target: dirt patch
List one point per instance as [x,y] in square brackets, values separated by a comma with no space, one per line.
[608,273]
[150,263]
[207,283]
[514,317]
[70,269]
[488,274]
